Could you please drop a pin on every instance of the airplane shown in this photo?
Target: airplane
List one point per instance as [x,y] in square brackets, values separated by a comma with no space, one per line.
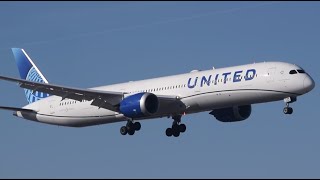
[228,93]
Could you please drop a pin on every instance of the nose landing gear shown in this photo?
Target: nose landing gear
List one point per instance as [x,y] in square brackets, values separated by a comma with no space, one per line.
[287,110]
[288,100]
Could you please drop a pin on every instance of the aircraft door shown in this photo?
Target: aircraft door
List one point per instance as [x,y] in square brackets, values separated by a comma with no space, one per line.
[271,73]
[52,106]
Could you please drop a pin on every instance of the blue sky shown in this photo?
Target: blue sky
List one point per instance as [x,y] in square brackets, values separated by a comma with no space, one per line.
[87,44]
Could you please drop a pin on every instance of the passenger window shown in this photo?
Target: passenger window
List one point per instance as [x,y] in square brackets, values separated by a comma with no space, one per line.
[293,72]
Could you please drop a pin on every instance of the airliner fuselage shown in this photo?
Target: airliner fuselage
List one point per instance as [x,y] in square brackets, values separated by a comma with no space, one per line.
[196,91]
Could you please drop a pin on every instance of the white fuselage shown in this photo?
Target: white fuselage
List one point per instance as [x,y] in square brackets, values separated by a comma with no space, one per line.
[198,91]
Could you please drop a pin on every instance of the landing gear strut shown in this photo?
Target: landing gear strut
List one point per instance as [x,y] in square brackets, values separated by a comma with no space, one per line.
[130,128]
[287,109]
[176,127]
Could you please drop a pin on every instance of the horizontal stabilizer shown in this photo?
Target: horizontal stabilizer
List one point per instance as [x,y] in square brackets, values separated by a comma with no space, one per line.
[16,109]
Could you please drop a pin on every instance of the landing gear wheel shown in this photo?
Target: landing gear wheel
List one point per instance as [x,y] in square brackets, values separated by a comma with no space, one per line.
[287,110]
[123,130]
[176,127]
[290,110]
[137,126]
[176,132]
[131,132]
[130,128]
[169,132]
[288,100]
[182,128]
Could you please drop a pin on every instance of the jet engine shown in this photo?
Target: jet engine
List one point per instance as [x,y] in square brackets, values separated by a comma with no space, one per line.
[232,114]
[139,105]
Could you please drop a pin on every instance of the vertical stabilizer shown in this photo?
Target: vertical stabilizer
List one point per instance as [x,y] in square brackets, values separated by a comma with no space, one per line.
[29,71]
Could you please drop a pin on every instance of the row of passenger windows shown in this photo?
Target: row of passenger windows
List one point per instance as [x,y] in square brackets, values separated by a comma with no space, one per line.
[160,89]
[295,71]
[70,102]
[183,86]
[155,89]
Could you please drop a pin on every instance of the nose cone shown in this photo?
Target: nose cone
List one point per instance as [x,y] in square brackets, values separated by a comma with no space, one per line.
[308,84]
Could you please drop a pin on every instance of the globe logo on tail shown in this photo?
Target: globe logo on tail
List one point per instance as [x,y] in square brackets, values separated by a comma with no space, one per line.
[35,77]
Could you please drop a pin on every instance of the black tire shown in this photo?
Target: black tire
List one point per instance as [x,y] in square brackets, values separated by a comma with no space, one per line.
[137,126]
[287,110]
[129,125]
[182,128]
[169,132]
[131,132]
[123,130]
[175,127]
[176,132]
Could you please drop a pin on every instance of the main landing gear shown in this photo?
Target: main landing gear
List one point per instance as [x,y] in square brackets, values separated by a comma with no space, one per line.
[176,128]
[130,128]
[288,100]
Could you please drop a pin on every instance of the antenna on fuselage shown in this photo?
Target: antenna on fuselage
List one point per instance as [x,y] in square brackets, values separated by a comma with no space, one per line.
[254,61]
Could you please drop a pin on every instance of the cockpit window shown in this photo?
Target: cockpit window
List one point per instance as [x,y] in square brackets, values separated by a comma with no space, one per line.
[293,72]
[301,71]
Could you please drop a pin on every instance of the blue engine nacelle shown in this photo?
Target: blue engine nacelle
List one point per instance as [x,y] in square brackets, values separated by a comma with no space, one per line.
[139,105]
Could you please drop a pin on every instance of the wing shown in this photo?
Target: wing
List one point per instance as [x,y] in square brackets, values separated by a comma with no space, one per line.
[102,99]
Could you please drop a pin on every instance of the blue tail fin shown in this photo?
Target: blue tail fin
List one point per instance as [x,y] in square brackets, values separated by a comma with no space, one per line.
[29,71]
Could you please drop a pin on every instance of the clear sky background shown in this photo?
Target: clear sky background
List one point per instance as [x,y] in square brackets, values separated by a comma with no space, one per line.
[87,44]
